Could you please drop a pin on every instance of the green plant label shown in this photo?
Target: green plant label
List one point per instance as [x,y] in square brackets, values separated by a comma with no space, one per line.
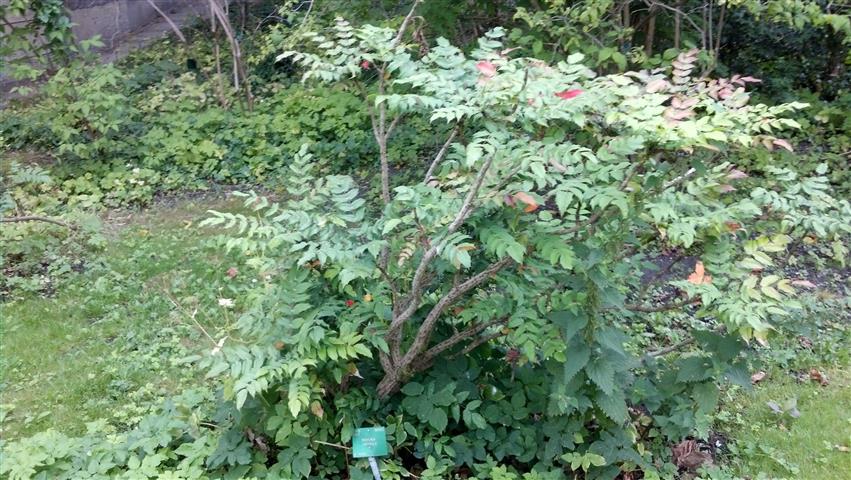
[370,442]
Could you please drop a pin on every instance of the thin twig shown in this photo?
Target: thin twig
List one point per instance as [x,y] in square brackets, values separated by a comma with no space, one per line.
[37,218]
[478,342]
[441,153]
[679,179]
[185,312]
[335,445]
[404,25]
[662,308]
[168,20]
[461,336]
[670,349]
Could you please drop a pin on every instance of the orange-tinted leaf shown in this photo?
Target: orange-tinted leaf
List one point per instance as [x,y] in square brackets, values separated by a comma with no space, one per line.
[699,277]
[317,409]
[531,204]
[817,376]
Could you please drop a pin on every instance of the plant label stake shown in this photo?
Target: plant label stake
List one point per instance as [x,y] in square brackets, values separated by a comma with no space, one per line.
[370,443]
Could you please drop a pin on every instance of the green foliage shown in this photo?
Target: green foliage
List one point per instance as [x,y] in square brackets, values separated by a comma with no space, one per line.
[507,316]
[36,33]
[472,255]
[36,254]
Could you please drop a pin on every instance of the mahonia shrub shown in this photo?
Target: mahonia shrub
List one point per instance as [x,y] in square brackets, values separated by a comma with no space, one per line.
[560,293]
[497,311]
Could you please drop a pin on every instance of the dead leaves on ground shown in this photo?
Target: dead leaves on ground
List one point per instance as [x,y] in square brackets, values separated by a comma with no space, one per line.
[688,455]
[819,377]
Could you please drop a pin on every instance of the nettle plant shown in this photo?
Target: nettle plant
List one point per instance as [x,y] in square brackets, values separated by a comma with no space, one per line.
[487,313]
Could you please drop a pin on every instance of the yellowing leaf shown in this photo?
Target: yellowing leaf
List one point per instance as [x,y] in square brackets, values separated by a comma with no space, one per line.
[316,409]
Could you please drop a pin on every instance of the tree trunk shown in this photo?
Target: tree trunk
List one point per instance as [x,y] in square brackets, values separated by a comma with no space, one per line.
[650,33]
[626,22]
[390,384]
[678,25]
[836,57]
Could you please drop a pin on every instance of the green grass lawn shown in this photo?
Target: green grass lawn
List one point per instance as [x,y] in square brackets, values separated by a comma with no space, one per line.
[811,447]
[106,344]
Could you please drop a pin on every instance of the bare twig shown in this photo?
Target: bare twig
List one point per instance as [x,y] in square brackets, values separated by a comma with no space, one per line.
[450,342]
[335,445]
[417,284]
[168,20]
[662,308]
[37,218]
[420,274]
[670,349]
[478,342]
[239,64]
[679,179]
[441,153]
[404,25]
[191,316]
[681,14]
[656,276]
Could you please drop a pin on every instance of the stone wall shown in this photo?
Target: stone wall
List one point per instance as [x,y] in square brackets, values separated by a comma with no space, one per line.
[114,19]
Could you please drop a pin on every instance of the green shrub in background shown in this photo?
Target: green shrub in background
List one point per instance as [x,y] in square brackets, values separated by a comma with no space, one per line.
[485,312]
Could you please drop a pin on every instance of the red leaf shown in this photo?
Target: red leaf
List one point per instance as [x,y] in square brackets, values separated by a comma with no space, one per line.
[487,68]
[568,94]
[232,272]
[350,303]
[365,64]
